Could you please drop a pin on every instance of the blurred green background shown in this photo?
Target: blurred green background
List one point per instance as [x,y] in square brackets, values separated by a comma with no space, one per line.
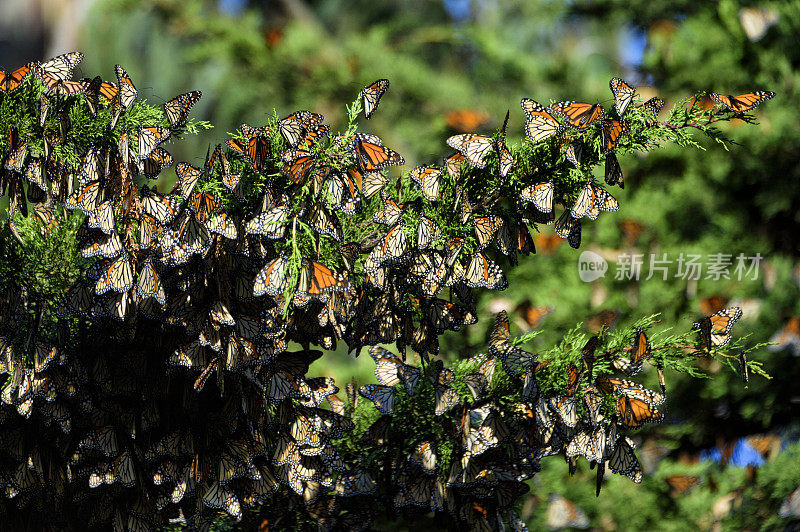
[457,66]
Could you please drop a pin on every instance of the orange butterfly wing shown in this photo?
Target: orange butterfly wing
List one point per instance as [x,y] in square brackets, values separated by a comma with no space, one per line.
[11,82]
[743,102]
[578,115]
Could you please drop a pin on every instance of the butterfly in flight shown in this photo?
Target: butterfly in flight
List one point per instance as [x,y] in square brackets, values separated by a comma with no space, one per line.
[178,108]
[9,82]
[578,115]
[743,102]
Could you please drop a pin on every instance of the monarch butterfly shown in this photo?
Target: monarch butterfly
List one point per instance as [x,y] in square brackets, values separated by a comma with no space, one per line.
[540,124]
[623,94]
[357,482]
[653,105]
[390,370]
[149,283]
[149,138]
[639,353]
[108,246]
[540,194]
[382,396]
[755,22]
[90,171]
[274,278]
[297,164]
[51,138]
[680,484]
[162,208]
[428,231]
[612,131]
[282,384]
[787,337]
[445,398]
[524,242]
[581,445]
[61,67]
[117,276]
[194,234]
[473,147]
[613,171]
[313,135]
[222,498]
[126,94]
[391,211]
[188,176]
[485,228]
[579,116]
[591,201]
[18,150]
[479,382]
[427,178]
[437,272]
[96,87]
[123,149]
[257,149]
[148,229]
[317,280]
[506,160]
[204,204]
[424,456]
[230,180]
[634,412]
[743,102]
[715,329]
[341,194]
[626,388]
[573,379]
[563,513]
[319,389]
[712,304]
[567,408]
[178,108]
[485,273]
[85,199]
[11,82]
[44,106]
[574,153]
[531,314]
[371,96]
[57,86]
[369,183]
[271,224]
[157,161]
[569,228]
[295,126]
[372,155]
[444,315]
[453,164]
[174,250]
[392,248]
[594,406]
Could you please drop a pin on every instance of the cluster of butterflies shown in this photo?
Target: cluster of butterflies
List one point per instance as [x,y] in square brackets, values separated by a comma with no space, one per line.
[501,447]
[185,301]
